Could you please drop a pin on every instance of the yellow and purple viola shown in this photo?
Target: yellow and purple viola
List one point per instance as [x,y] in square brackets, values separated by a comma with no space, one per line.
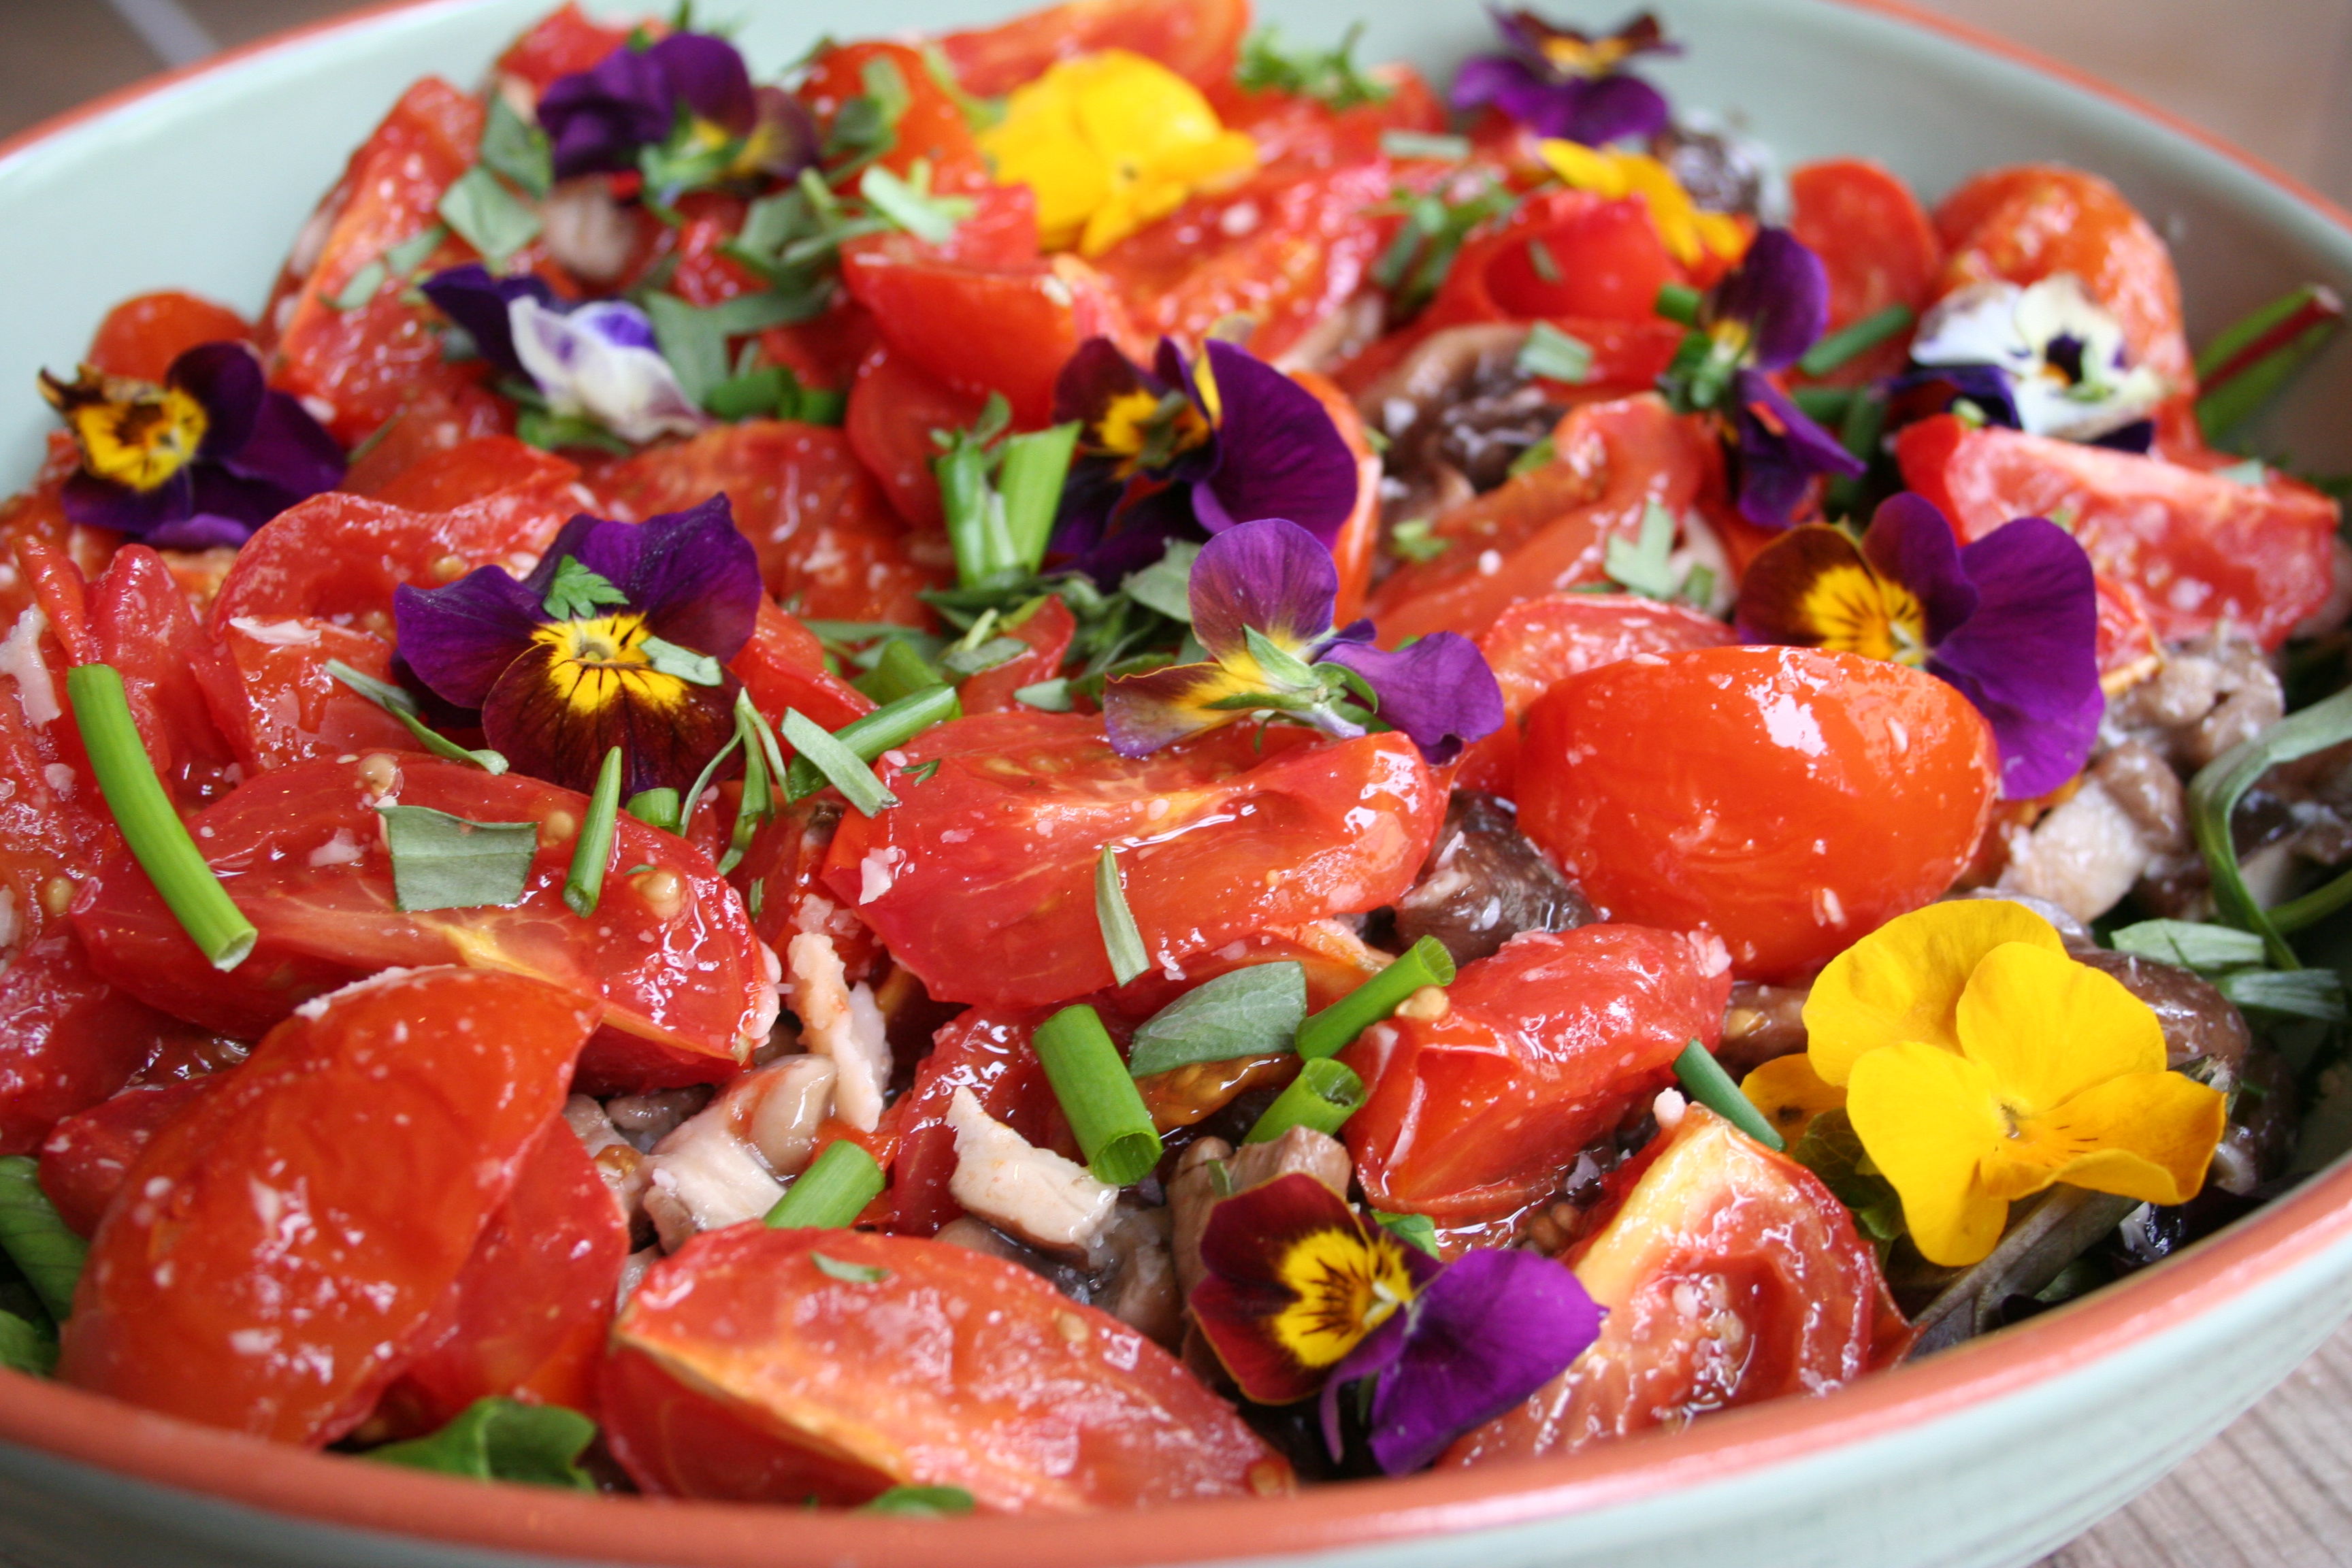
[688,94]
[1560,82]
[2011,620]
[199,461]
[1301,1296]
[1762,318]
[1189,446]
[618,638]
[1261,596]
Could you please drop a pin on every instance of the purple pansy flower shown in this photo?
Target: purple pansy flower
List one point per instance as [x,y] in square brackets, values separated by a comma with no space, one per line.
[2011,620]
[1191,446]
[1300,1295]
[617,638]
[690,83]
[202,460]
[1558,81]
[1261,596]
[596,361]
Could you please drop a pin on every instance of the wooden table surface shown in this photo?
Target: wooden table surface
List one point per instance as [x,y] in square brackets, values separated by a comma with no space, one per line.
[2274,1490]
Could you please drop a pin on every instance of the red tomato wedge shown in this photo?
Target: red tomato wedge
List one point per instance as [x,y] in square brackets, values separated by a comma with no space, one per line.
[142,336]
[1197,39]
[1876,244]
[1550,528]
[87,1157]
[67,1040]
[931,127]
[559,43]
[2197,547]
[668,955]
[526,1317]
[259,1275]
[1731,1276]
[894,407]
[140,624]
[1789,800]
[981,879]
[940,1367]
[1047,627]
[1543,1048]
[1534,646]
[784,666]
[990,1054]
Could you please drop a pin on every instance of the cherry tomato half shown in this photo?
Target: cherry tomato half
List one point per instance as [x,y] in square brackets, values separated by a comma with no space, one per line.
[1789,800]
[1876,245]
[142,336]
[67,1040]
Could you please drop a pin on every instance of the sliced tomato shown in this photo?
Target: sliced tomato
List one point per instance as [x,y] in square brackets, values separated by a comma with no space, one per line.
[784,666]
[171,673]
[1534,645]
[1548,529]
[1543,1048]
[558,44]
[668,953]
[67,1040]
[1197,39]
[827,350]
[2031,221]
[1357,546]
[1789,800]
[35,519]
[1047,627]
[1731,1276]
[2199,550]
[980,880]
[526,1317]
[282,706]
[829,544]
[989,1053]
[265,1280]
[358,367]
[1876,244]
[141,337]
[2127,640]
[481,469]
[894,407]
[88,1156]
[931,126]
[761,1365]
[1304,133]
[54,825]
[435,418]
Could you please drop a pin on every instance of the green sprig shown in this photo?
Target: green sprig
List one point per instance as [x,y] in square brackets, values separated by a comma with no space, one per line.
[594,851]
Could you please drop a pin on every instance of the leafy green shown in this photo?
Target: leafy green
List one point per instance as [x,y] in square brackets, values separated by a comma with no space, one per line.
[403,707]
[1045,696]
[2254,357]
[849,1273]
[1416,1230]
[576,593]
[44,1250]
[1166,585]
[503,1440]
[1412,539]
[486,215]
[840,766]
[921,1502]
[1422,144]
[1328,76]
[2191,944]
[444,862]
[1252,1012]
[909,204]
[2213,796]
[1554,355]
[1416,262]
[1644,565]
[27,1346]
[361,287]
[681,663]
[1832,1150]
[517,148]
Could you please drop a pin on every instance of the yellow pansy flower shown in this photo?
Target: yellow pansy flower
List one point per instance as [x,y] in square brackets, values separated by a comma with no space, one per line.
[1981,1064]
[1790,1094]
[1109,143]
[1687,232]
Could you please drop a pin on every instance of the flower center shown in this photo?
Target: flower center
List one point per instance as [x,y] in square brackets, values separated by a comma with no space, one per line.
[1148,433]
[1856,611]
[129,433]
[1343,1287]
[601,660]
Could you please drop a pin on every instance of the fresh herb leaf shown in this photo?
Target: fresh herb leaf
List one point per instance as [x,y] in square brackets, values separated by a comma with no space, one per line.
[27,1346]
[2213,796]
[1542,454]
[503,1440]
[47,1254]
[1166,585]
[444,862]
[1122,941]
[2191,944]
[1045,696]
[361,287]
[1250,1012]
[1416,262]
[2296,992]
[921,1502]
[867,125]
[909,204]
[1416,1230]
[487,217]
[921,772]
[576,593]
[841,767]
[868,736]
[1328,76]
[1412,539]
[849,1273]
[1644,566]
[1423,144]
[517,148]
[1832,1150]
[961,662]
[403,707]
[683,663]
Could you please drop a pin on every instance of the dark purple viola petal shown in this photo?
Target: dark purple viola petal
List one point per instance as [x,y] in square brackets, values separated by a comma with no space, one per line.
[1089,495]
[1527,96]
[1277,453]
[1484,1334]
[695,577]
[477,302]
[597,119]
[1779,451]
[784,138]
[1093,376]
[2028,658]
[667,730]
[1439,691]
[226,379]
[2138,435]
[1776,591]
[1910,543]
[1377,1354]
[1271,574]
[459,639]
[287,450]
[1617,108]
[200,531]
[216,491]
[1917,394]
[1133,532]
[94,502]
[1782,291]
[708,75]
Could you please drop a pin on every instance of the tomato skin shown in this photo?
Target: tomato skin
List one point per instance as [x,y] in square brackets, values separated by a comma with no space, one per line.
[1789,800]
[1357,543]
[825,537]
[2197,549]
[67,1040]
[265,1280]
[691,983]
[932,125]
[1002,914]
[1025,1399]
[1543,1048]
[1608,261]
[784,666]
[1197,39]
[141,337]
[87,1157]
[526,1317]
[558,44]
[1716,1219]
[1047,628]
[1548,529]
[34,519]
[474,471]
[1538,643]
[894,407]
[988,1052]
[171,673]
[1877,246]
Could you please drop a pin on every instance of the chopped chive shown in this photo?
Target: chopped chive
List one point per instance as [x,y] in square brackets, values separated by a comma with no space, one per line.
[444,862]
[27,1346]
[403,707]
[1824,405]
[1036,467]
[2256,355]
[412,253]
[899,670]
[921,772]
[1704,1078]
[1677,302]
[1107,1114]
[863,740]
[683,816]
[487,217]
[586,885]
[1323,1096]
[45,1251]
[1331,1031]
[1855,338]
[832,1193]
[1045,696]
[1423,144]
[361,286]
[848,1273]
[1122,941]
[836,763]
[658,807]
[158,838]
[1555,355]
[1546,265]
[757,804]
[963,662]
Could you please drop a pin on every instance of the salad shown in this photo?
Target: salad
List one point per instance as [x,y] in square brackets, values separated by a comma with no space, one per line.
[1108,761]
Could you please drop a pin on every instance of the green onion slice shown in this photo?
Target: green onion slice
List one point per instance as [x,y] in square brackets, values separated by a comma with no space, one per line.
[832,1193]
[1107,1114]
[403,707]
[1855,338]
[594,851]
[1323,1096]
[863,740]
[1334,1030]
[834,763]
[1705,1081]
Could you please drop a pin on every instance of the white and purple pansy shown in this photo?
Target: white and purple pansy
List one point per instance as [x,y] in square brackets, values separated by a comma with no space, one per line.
[1560,82]
[1262,596]
[2058,356]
